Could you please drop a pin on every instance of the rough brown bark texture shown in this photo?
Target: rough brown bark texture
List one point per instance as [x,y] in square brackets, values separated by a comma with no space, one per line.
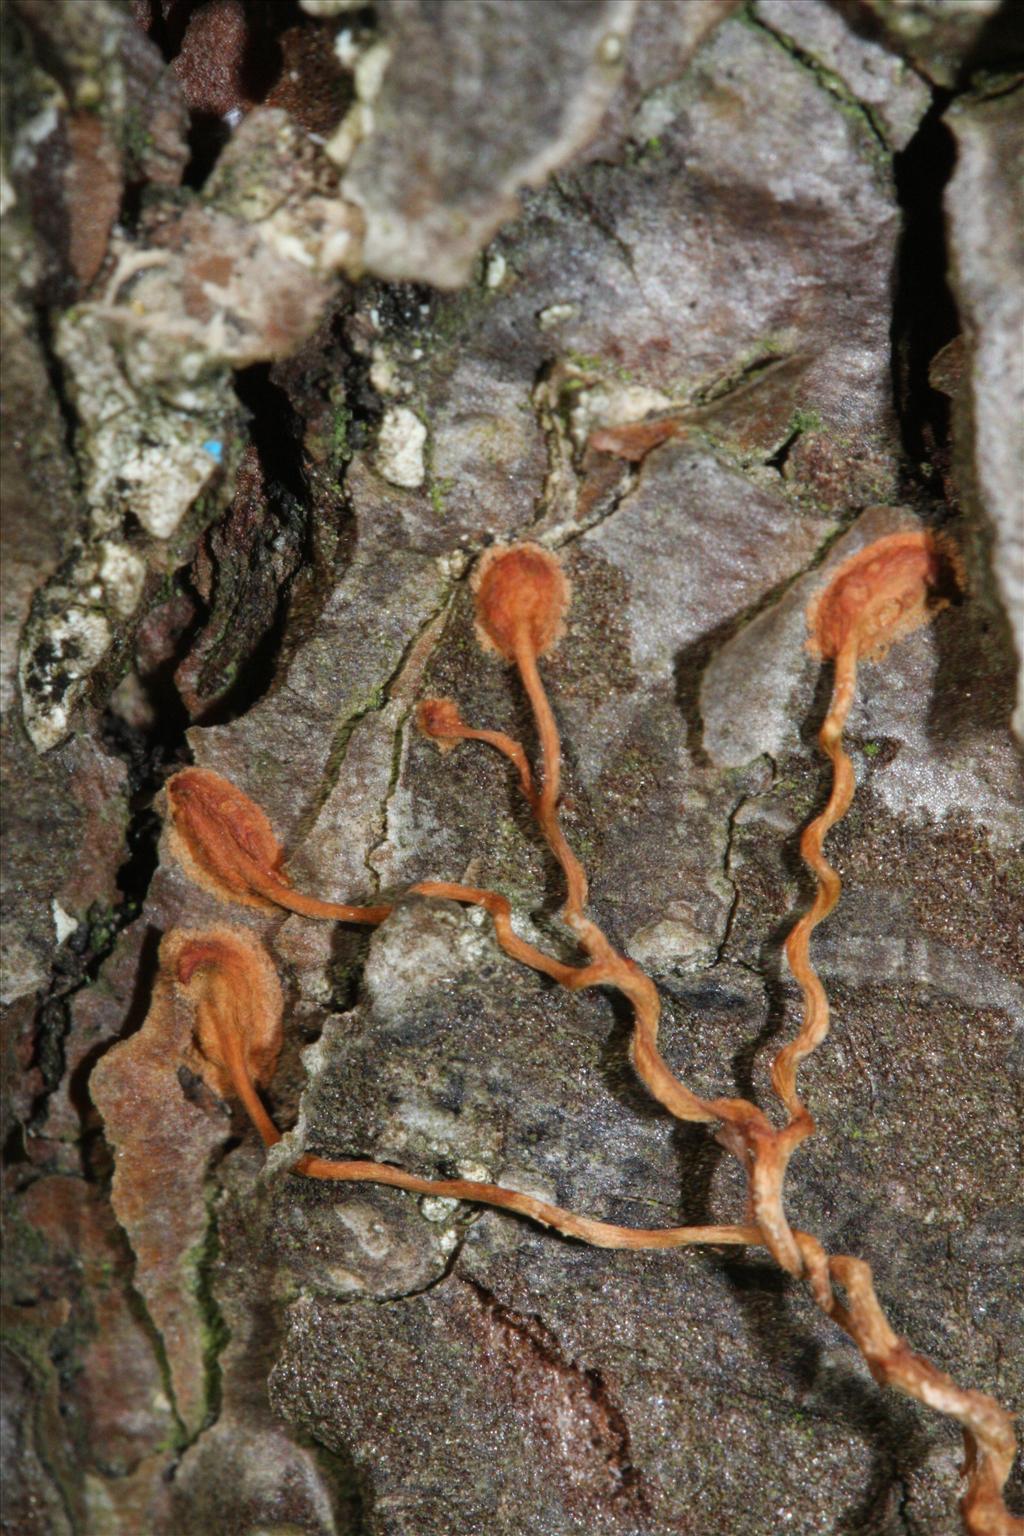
[304,305]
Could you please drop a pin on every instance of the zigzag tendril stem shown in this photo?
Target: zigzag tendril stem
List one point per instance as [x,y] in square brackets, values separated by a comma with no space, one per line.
[878,595]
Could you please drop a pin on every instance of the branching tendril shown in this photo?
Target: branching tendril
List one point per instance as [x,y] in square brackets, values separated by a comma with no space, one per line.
[227,844]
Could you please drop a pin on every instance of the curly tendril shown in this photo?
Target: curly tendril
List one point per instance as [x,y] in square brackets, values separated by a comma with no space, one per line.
[521,597]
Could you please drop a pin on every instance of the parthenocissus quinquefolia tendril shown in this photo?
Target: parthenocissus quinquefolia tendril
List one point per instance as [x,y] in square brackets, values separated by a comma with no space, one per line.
[226,844]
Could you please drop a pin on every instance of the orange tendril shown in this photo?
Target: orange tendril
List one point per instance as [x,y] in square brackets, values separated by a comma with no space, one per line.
[440,720]
[225,843]
[880,594]
[230,982]
[521,591]
[521,596]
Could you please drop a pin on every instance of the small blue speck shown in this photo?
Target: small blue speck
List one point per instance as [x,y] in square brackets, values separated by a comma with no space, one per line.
[215,448]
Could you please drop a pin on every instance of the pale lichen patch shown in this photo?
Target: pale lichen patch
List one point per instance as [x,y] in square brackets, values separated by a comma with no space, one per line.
[400,448]
[611,404]
[670,944]
[69,646]
[555,314]
[63,923]
[369,66]
[495,270]
[122,574]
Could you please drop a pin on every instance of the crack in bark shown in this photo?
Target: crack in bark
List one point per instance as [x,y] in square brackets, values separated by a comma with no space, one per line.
[727,873]
[626,489]
[214,1331]
[462,1232]
[558,500]
[727,385]
[375,703]
[578,201]
[414,662]
[826,79]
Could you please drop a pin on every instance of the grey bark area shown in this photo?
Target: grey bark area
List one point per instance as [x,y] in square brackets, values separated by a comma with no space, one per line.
[304,307]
